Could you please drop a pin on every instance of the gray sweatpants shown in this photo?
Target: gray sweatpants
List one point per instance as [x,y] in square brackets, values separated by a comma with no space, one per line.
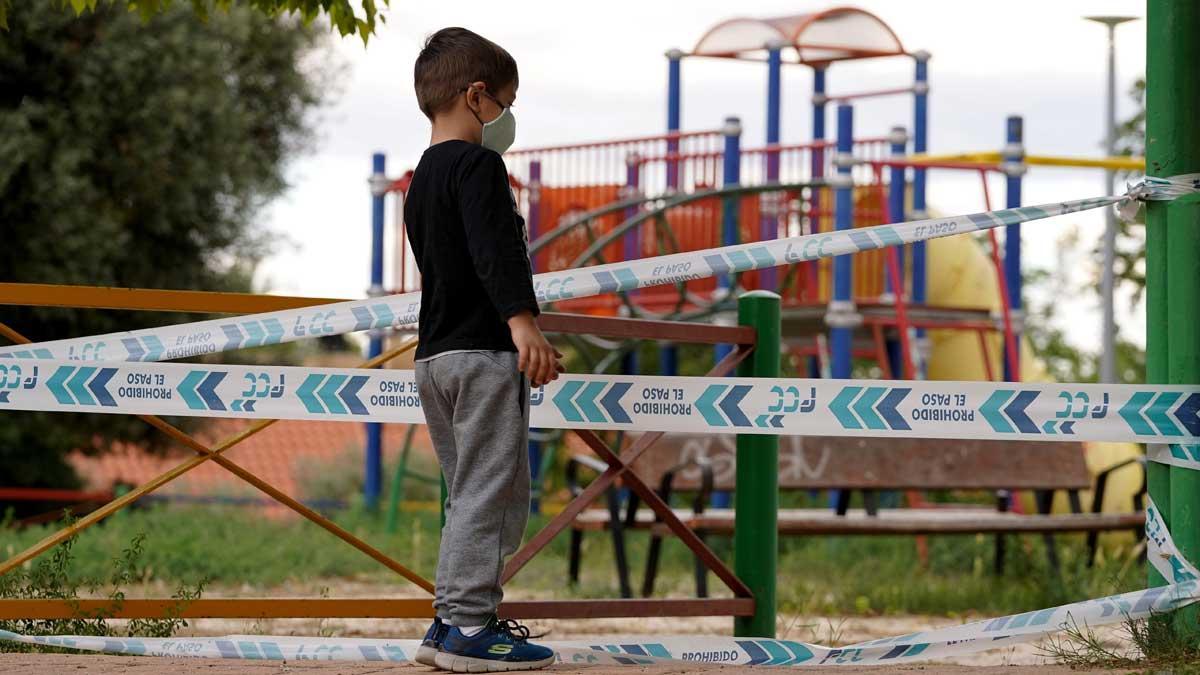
[476,405]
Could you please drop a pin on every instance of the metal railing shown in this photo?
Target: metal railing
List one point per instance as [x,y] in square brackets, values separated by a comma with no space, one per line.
[743,604]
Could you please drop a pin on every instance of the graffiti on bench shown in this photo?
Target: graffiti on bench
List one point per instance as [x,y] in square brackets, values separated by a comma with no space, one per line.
[796,463]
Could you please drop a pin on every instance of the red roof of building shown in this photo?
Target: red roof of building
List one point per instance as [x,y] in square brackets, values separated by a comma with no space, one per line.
[280,455]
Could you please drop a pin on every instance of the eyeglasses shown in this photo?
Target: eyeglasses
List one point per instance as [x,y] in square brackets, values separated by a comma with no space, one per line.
[494,99]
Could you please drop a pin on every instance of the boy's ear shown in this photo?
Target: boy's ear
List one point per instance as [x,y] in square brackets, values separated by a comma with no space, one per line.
[475,93]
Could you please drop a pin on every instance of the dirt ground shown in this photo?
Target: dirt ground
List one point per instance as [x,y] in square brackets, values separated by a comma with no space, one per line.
[42,664]
[1013,660]
[830,631]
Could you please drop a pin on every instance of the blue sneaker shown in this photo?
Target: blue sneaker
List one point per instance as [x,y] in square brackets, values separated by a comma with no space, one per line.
[431,643]
[501,646]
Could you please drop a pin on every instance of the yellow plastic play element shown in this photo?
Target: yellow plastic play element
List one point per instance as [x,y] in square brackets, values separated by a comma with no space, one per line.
[1114,163]
[961,275]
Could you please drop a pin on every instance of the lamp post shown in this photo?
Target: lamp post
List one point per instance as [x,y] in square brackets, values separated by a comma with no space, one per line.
[1108,353]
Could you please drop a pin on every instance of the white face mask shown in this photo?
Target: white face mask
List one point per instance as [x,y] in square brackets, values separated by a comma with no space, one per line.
[499,134]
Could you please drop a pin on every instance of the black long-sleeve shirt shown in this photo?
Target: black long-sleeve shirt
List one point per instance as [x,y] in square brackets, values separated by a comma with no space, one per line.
[470,246]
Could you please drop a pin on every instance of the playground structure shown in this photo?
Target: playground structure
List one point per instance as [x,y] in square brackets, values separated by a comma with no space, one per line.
[623,199]
[648,225]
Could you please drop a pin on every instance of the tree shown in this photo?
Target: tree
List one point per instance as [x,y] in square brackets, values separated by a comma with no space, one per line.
[1066,361]
[341,13]
[1130,259]
[137,154]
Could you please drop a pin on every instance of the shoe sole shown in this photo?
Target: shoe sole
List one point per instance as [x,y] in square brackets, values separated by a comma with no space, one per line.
[426,656]
[467,664]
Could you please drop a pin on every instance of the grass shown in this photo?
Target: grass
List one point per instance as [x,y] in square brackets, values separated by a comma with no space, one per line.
[840,576]
[1154,644]
[54,577]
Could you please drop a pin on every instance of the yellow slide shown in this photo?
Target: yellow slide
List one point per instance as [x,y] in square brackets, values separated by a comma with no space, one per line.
[962,275]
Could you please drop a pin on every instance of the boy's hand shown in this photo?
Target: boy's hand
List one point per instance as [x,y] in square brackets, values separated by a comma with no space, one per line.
[537,358]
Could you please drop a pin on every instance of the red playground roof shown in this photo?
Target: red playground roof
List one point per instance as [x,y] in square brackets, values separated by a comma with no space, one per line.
[837,34]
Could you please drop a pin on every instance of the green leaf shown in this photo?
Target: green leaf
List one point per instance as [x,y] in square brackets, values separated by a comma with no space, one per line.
[341,13]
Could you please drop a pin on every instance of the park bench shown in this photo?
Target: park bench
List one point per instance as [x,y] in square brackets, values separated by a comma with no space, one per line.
[702,464]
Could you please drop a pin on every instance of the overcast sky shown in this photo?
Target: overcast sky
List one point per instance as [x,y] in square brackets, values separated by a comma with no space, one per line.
[595,70]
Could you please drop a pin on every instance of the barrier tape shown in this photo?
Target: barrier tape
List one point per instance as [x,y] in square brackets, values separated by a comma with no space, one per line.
[1151,188]
[886,408]
[1183,455]
[973,637]
[767,406]
[401,311]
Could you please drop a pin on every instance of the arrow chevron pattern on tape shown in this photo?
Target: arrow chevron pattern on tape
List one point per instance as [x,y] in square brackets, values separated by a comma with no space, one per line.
[1005,409]
[719,406]
[917,409]
[400,310]
[335,394]
[579,401]
[145,348]
[767,420]
[1059,427]
[1185,456]
[27,354]
[268,331]
[859,407]
[1147,414]
[82,386]
[198,390]
[364,319]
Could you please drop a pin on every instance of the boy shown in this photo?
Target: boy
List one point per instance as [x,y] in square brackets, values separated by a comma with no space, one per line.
[480,349]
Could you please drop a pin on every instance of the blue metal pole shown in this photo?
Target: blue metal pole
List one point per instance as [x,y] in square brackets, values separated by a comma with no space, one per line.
[535,226]
[632,241]
[535,470]
[841,314]
[668,359]
[632,247]
[535,203]
[818,134]
[768,226]
[920,146]
[731,175]
[373,469]
[674,96]
[731,172]
[819,100]
[896,188]
[1014,168]
[774,105]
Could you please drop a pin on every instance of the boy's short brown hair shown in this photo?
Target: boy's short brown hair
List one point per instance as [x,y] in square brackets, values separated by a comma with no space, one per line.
[453,58]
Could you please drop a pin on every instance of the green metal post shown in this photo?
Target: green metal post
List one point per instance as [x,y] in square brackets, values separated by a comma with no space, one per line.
[756,495]
[1173,251]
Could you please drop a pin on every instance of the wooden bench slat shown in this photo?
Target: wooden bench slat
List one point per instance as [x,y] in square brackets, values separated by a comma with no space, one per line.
[928,521]
[822,463]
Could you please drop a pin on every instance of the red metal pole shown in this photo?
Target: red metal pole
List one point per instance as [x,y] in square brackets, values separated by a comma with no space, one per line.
[893,267]
[1010,342]
[987,354]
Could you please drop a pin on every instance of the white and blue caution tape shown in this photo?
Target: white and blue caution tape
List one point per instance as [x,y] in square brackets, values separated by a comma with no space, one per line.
[1183,455]
[400,311]
[1154,189]
[808,407]
[57,375]
[1183,589]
